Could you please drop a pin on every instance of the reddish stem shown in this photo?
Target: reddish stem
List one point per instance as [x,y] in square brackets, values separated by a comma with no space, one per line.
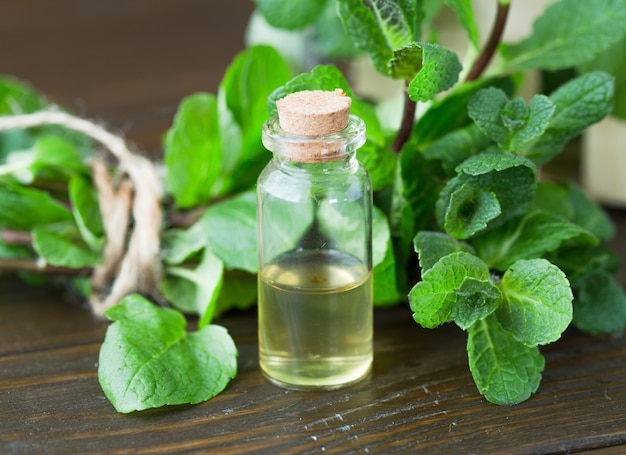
[489,50]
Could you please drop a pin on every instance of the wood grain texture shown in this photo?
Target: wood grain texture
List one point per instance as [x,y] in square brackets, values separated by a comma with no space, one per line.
[129,63]
[420,395]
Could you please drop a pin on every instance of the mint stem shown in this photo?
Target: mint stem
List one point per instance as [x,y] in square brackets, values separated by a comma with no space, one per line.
[11,237]
[489,50]
[408,117]
[35,266]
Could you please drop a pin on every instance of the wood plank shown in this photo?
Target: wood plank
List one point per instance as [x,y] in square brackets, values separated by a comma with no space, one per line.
[420,395]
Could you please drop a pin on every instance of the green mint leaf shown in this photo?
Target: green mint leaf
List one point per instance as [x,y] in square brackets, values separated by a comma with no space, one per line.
[505,370]
[23,208]
[569,32]
[179,245]
[465,205]
[379,27]
[476,299]
[433,245]
[600,303]
[510,123]
[486,108]
[578,261]
[450,112]
[239,291]
[60,155]
[529,236]
[589,215]
[433,298]
[290,15]
[195,291]
[439,70]
[330,40]
[469,210]
[229,229]
[86,210]
[193,154]
[61,244]
[465,15]
[242,109]
[552,198]
[414,194]
[611,61]
[18,97]
[537,302]
[579,103]
[148,360]
[457,146]
[383,261]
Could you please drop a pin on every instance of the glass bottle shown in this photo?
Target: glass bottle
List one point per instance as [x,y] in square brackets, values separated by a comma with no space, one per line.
[315,265]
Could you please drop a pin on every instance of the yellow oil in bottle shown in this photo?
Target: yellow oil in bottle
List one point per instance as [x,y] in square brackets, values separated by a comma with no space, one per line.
[315,320]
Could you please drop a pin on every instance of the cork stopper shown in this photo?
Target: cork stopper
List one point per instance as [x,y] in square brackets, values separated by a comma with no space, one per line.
[314,112]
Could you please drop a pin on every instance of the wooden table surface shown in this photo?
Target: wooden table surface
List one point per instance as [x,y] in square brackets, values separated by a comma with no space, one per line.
[128,64]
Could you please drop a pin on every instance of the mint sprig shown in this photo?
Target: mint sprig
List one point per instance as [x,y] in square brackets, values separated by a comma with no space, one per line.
[508,258]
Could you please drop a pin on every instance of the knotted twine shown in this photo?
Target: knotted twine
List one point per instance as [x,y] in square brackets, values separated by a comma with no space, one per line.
[130,259]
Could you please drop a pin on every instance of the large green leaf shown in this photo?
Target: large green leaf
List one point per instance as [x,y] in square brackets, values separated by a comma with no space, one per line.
[537,302]
[242,107]
[505,370]
[579,103]
[61,244]
[23,208]
[612,62]
[230,231]
[193,154]
[148,359]
[526,237]
[569,32]
[465,14]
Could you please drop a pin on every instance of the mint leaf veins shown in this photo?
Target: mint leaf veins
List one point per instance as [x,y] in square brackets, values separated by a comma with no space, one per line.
[148,360]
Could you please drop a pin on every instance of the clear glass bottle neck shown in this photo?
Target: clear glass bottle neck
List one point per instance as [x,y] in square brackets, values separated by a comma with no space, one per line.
[325,151]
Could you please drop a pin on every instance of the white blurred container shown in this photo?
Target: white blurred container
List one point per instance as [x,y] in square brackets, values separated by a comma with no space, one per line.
[603,162]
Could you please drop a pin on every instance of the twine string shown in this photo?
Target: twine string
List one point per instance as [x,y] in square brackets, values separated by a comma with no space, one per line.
[130,260]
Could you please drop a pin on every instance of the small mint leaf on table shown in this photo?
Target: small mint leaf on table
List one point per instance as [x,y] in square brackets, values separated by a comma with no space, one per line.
[432,299]
[148,360]
[537,302]
[505,370]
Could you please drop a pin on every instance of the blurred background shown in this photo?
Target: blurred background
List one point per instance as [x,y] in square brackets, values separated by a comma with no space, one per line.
[125,63]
